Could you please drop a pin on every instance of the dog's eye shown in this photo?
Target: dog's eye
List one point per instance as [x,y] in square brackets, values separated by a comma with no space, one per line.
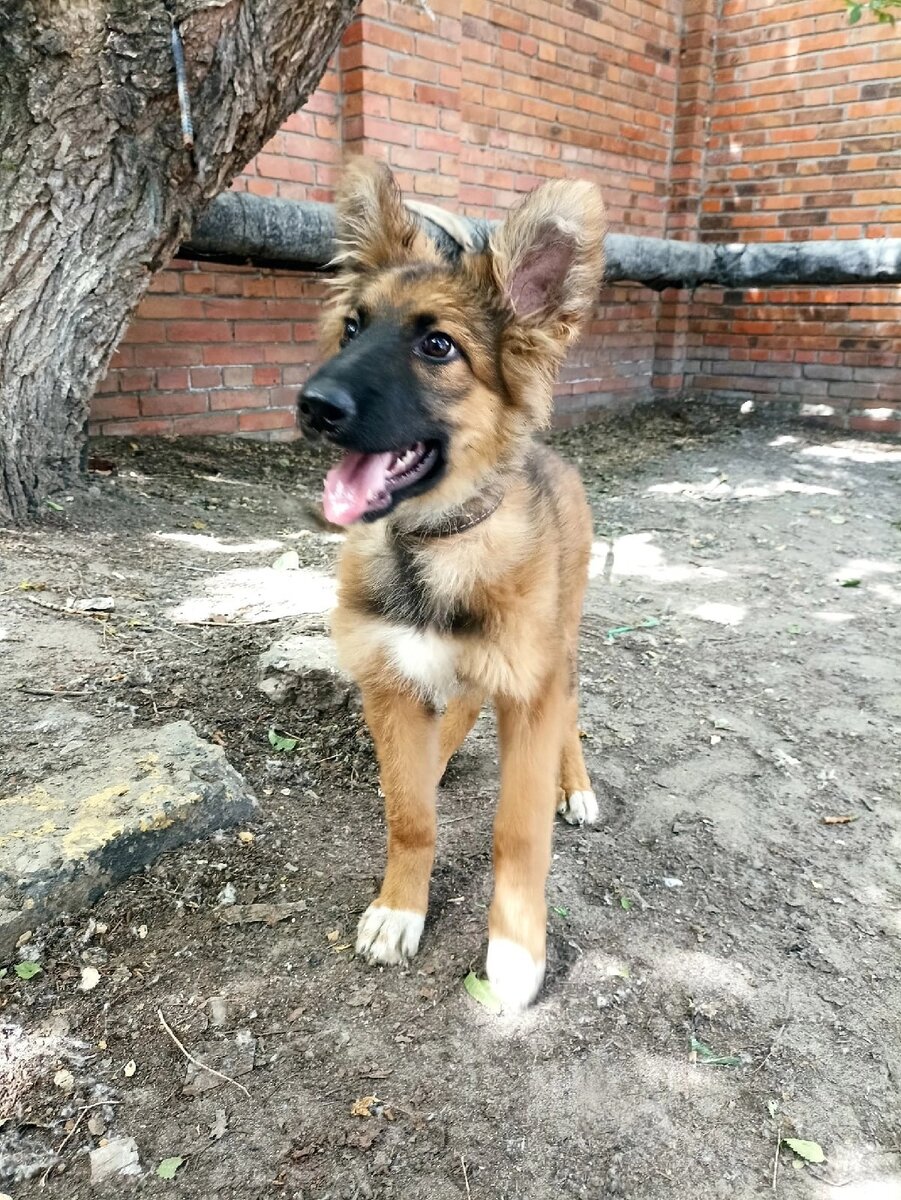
[437,345]
[351,329]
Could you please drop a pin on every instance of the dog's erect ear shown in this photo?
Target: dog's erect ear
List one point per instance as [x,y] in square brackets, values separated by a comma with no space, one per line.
[373,228]
[548,256]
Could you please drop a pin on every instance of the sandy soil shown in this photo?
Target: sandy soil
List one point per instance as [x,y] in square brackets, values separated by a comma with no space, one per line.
[724,946]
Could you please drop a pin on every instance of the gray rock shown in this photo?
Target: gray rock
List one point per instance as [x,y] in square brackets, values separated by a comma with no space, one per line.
[64,840]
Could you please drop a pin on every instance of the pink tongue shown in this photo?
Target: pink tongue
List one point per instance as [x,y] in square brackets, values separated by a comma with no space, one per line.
[348,486]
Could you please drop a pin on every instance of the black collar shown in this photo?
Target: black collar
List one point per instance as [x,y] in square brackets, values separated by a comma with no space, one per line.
[461,519]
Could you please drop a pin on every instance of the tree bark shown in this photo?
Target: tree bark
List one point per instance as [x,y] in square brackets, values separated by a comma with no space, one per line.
[97,188]
[285,233]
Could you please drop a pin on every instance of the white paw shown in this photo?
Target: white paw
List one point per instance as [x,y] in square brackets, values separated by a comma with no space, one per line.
[389,935]
[579,808]
[514,975]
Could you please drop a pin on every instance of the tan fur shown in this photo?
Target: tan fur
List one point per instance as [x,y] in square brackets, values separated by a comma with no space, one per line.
[520,575]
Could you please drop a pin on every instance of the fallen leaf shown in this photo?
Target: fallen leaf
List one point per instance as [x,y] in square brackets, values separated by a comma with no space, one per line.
[284,742]
[96,1126]
[809,1151]
[482,992]
[850,583]
[246,837]
[118,1157]
[625,903]
[129,1069]
[64,1080]
[268,914]
[703,1054]
[168,1167]
[363,1106]
[27,970]
[844,819]
[333,935]
[619,630]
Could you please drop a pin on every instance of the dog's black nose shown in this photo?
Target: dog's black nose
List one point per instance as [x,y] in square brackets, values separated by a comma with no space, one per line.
[326,407]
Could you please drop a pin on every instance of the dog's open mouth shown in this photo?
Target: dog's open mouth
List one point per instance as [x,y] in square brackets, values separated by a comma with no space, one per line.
[369,484]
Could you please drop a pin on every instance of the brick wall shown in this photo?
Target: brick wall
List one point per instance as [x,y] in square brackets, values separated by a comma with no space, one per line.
[734,119]
[471,107]
[803,142]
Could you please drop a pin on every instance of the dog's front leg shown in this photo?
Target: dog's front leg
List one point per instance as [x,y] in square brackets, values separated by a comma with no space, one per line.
[530,738]
[405,732]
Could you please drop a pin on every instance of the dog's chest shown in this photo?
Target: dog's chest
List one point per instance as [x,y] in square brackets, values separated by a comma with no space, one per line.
[424,658]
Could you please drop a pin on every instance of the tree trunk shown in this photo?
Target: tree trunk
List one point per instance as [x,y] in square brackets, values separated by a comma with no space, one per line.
[97,188]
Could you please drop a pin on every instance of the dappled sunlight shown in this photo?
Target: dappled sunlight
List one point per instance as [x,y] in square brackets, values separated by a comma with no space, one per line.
[887,592]
[864,1183]
[784,439]
[635,556]
[866,568]
[852,450]
[816,410]
[721,489]
[721,614]
[248,596]
[213,545]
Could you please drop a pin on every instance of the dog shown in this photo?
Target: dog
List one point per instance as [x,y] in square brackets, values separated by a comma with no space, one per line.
[466,557]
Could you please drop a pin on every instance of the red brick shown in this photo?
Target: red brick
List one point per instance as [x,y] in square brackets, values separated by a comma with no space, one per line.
[274,418]
[114,408]
[172,378]
[243,398]
[205,423]
[168,404]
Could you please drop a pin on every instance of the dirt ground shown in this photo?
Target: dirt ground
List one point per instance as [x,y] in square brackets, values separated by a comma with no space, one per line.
[724,966]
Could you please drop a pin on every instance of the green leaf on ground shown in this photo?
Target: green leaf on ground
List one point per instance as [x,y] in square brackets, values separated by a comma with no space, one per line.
[28,970]
[282,741]
[561,912]
[850,583]
[482,992]
[703,1054]
[625,903]
[168,1167]
[52,504]
[809,1151]
[619,630]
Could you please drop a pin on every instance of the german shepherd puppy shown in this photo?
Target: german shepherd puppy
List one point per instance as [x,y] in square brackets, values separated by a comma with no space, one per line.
[465,564]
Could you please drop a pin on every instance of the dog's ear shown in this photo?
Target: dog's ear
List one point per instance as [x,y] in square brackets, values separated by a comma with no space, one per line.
[373,228]
[548,257]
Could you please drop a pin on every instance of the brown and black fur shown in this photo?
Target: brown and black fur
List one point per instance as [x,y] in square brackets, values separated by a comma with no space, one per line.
[431,627]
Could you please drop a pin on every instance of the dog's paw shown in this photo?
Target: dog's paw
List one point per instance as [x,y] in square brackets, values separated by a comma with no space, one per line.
[578,808]
[389,935]
[514,975]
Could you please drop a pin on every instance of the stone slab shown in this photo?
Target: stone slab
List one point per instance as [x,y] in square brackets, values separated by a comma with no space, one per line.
[64,841]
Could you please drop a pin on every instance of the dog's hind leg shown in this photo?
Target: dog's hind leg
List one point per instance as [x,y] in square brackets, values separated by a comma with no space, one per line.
[460,716]
[405,732]
[530,740]
[576,801]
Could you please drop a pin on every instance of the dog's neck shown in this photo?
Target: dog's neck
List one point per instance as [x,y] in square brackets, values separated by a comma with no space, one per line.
[459,519]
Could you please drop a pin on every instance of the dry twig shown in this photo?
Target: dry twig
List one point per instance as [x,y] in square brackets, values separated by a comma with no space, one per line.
[196,1061]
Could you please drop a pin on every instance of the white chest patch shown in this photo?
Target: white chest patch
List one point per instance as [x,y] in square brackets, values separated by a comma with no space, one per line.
[424,658]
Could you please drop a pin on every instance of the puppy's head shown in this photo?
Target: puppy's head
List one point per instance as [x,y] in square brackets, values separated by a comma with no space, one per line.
[437,371]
